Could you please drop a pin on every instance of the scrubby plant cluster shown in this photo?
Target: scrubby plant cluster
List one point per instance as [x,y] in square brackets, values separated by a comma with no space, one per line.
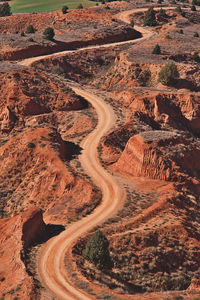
[168,74]
[5,9]
[97,251]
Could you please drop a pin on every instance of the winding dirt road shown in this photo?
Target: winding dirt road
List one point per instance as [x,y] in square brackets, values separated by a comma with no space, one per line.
[52,267]
[51,263]
[123,16]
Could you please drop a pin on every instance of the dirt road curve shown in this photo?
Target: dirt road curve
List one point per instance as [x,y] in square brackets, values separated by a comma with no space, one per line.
[51,262]
[51,267]
[124,16]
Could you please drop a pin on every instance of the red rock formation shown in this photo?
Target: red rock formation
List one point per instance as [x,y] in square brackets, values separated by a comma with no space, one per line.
[15,235]
[37,160]
[160,155]
[30,92]
[34,228]
[7,120]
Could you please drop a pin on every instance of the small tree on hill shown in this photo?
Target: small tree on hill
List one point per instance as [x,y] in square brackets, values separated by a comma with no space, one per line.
[168,74]
[162,13]
[80,6]
[30,29]
[97,251]
[48,33]
[193,8]
[132,23]
[150,17]
[5,10]
[196,57]
[156,49]
[178,9]
[65,9]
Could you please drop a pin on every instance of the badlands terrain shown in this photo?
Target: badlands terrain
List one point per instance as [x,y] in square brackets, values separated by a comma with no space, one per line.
[92,137]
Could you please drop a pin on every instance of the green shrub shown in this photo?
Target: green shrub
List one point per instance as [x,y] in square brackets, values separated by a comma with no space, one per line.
[156,49]
[48,33]
[162,12]
[132,23]
[183,14]
[168,74]
[181,31]
[193,8]
[65,9]
[31,145]
[58,70]
[30,29]
[97,251]
[22,33]
[178,9]
[5,10]
[196,57]
[30,39]
[80,6]
[196,34]
[168,37]
[150,19]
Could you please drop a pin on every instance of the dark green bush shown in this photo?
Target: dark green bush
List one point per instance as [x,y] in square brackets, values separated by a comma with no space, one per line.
[58,70]
[183,14]
[48,33]
[97,251]
[178,9]
[65,9]
[31,145]
[132,23]
[5,10]
[30,29]
[156,49]
[30,39]
[196,57]
[150,19]
[196,34]
[168,74]
[80,6]
[193,8]
[162,12]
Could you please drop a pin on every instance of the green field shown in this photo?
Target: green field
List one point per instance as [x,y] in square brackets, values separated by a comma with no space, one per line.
[21,6]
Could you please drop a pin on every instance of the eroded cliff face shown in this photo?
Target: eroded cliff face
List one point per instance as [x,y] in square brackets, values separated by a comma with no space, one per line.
[34,170]
[16,234]
[144,111]
[30,92]
[160,155]
[132,70]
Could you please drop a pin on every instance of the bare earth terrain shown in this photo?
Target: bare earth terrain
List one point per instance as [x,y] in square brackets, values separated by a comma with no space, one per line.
[90,140]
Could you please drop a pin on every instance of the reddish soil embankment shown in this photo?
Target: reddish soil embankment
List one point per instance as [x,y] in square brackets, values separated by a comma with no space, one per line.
[17,234]
[124,34]
[29,92]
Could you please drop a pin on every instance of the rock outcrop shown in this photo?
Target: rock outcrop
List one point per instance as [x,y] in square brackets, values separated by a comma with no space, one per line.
[7,119]
[16,234]
[160,155]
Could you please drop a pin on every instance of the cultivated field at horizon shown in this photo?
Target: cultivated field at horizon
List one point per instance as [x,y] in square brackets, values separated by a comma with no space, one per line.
[22,6]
